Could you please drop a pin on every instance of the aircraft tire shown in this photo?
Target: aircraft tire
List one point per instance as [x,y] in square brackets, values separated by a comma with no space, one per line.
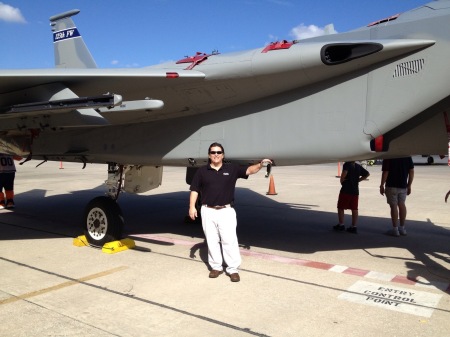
[430,160]
[103,221]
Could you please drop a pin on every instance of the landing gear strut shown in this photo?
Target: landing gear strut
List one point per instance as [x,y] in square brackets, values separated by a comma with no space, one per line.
[103,220]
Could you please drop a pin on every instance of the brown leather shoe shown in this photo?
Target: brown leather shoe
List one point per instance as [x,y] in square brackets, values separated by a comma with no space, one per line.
[215,273]
[234,277]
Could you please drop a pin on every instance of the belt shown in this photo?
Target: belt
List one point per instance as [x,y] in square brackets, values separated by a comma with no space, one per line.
[218,207]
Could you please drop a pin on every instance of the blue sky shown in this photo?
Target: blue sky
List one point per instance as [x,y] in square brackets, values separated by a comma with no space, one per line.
[138,33]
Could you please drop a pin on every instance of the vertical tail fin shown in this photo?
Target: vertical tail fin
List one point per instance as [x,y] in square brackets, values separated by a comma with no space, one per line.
[70,49]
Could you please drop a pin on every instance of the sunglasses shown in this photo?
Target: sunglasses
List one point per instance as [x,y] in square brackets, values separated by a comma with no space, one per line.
[215,152]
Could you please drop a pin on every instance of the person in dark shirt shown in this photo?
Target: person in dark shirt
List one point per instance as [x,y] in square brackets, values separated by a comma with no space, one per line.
[7,176]
[216,182]
[398,175]
[352,174]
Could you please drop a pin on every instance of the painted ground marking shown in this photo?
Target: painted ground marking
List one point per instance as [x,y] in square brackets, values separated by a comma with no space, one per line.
[60,285]
[409,301]
[373,275]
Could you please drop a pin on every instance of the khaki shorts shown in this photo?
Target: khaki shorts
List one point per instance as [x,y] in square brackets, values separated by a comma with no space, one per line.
[395,196]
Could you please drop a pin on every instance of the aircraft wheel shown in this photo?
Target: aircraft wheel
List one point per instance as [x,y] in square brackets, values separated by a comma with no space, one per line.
[430,160]
[103,221]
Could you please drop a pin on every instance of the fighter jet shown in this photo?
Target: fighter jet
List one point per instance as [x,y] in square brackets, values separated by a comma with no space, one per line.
[378,91]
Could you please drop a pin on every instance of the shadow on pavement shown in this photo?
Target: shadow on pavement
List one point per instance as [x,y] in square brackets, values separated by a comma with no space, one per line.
[262,223]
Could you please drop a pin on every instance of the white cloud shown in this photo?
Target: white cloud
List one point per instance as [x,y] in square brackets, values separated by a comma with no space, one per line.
[304,32]
[114,62]
[10,14]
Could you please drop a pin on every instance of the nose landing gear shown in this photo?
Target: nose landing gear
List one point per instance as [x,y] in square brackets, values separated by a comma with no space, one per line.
[103,220]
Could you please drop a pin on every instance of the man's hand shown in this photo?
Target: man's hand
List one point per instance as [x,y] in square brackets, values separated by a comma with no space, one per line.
[266,162]
[382,190]
[192,201]
[408,190]
[193,213]
[255,168]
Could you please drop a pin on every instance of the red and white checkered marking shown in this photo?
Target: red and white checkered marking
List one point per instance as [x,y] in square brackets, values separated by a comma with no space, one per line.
[373,275]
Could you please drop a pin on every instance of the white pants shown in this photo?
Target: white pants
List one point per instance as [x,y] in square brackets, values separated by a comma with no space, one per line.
[219,226]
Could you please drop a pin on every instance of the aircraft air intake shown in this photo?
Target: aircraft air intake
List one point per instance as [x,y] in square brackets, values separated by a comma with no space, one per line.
[338,53]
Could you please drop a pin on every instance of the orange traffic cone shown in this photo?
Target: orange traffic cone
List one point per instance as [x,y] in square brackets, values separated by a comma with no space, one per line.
[339,170]
[271,187]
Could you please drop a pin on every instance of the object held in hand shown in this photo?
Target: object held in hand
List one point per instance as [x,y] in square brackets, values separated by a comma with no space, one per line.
[269,168]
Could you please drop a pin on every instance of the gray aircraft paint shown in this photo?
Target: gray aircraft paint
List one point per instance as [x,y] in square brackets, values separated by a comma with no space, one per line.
[285,104]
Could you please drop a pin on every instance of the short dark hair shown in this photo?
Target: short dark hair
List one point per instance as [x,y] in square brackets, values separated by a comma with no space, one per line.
[215,144]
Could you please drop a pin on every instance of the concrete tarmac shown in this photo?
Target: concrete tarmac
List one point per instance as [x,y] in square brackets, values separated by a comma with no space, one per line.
[298,276]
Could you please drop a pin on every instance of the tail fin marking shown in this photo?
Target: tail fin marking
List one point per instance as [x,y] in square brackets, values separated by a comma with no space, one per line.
[70,49]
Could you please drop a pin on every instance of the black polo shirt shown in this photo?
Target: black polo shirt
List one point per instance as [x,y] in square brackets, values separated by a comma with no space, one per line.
[217,187]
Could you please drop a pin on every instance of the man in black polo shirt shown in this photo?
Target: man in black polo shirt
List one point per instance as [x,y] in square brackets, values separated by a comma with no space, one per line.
[398,175]
[216,182]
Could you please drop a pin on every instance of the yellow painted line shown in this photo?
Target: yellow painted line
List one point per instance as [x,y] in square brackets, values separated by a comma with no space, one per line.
[61,285]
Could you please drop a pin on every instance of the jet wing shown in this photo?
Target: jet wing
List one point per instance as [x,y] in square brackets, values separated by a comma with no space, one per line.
[13,80]
[50,97]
